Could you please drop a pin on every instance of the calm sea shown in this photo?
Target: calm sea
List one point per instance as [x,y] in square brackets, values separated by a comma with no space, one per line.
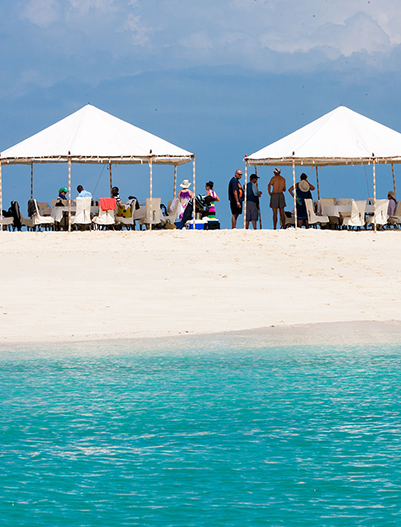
[208,433]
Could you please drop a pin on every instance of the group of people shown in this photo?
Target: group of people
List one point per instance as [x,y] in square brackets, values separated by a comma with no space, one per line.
[276,189]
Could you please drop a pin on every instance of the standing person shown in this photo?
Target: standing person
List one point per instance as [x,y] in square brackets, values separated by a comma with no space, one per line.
[211,211]
[184,196]
[276,189]
[252,201]
[302,192]
[236,197]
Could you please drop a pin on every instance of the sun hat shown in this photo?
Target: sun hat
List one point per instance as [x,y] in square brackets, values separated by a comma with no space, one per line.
[392,194]
[304,186]
[277,171]
[63,189]
[185,184]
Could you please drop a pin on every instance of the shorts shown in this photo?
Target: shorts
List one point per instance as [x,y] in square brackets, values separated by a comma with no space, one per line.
[234,207]
[252,213]
[277,201]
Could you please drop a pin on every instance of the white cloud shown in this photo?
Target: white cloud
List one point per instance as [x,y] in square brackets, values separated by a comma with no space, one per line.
[42,13]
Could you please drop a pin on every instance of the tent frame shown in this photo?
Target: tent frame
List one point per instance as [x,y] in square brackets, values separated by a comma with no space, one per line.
[109,160]
[316,162]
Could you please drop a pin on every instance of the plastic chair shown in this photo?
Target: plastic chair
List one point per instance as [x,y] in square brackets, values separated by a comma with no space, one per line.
[313,219]
[357,218]
[152,215]
[83,212]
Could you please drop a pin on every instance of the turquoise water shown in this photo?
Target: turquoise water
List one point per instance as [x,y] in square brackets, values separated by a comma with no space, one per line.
[201,435]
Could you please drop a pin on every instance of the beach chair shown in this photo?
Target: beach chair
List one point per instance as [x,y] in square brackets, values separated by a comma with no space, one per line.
[395,221]
[44,209]
[313,219]
[127,221]
[37,220]
[83,212]
[6,222]
[357,218]
[152,215]
[173,209]
[106,216]
[380,214]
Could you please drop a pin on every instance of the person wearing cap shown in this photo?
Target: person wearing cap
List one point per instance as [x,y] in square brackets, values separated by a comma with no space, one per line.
[276,189]
[236,197]
[252,201]
[184,195]
[392,203]
[303,192]
[62,193]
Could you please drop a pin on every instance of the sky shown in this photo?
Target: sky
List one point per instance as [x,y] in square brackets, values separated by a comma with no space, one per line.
[220,79]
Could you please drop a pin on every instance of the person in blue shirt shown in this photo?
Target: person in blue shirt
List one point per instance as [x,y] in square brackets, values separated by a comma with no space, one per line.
[252,201]
[82,193]
[236,197]
[62,193]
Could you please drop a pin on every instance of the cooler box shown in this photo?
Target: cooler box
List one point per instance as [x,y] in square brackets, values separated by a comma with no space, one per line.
[199,225]
[211,225]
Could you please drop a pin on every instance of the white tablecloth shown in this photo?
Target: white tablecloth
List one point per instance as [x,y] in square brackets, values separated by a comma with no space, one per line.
[57,212]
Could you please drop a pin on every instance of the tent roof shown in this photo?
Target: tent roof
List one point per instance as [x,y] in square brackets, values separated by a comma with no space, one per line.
[340,137]
[92,135]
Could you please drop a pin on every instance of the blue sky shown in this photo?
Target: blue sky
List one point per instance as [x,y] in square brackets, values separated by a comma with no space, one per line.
[220,79]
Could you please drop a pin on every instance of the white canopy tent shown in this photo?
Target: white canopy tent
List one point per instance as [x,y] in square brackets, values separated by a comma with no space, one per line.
[341,137]
[93,136]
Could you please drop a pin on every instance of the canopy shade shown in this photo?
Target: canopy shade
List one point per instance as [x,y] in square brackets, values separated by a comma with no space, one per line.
[340,137]
[91,135]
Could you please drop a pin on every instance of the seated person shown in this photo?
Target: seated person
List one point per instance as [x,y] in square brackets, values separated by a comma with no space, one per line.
[62,193]
[82,193]
[202,204]
[115,194]
[392,203]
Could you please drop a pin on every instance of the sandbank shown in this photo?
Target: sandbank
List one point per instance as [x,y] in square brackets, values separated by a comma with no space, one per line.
[61,287]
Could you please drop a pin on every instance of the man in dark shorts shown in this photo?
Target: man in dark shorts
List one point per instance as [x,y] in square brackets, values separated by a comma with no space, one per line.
[276,189]
[236,197]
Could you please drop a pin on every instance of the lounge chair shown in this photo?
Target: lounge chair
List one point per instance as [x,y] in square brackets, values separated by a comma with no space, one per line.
[380,214]
[107,209]
[313,219]
[36,220]
[357,218]
[152,216]
[83,212]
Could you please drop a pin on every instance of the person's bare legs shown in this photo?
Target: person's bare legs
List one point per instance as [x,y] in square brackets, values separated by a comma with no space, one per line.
[274,218]
[254,224]
[282,218]
[234,221]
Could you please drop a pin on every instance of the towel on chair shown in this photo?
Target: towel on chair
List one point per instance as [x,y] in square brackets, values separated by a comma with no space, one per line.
[107,203]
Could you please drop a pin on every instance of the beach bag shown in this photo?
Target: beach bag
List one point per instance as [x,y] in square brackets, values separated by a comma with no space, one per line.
[123,212]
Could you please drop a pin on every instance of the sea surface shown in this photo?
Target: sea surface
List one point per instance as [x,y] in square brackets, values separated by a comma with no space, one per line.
[201,433]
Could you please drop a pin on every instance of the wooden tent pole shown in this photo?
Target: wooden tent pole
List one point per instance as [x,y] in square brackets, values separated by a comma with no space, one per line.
[392,170]
[31,180]
[295,194]
[151,190]
[111,181]
[245,189]
[317,183]
[1,201]
[194,198]
[374,194]
[257,189]
[175,182]
[69,192]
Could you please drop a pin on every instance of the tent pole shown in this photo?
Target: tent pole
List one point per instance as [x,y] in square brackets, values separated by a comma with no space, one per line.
[257,189]
[374,194]
[175,181]
[1,201]
[245,189]
[194,198]
[392,170]
[31,180]
[317,184]
[111,181]
[151,190]
[295,194]
[69,192]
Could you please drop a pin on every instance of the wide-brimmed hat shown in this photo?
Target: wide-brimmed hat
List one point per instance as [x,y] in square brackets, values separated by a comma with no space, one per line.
[304,186]
[277,171]
[392,194]
[185,184]
[63,189]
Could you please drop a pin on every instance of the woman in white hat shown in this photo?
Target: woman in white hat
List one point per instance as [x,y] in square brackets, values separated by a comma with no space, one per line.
[302,191]
[184,196]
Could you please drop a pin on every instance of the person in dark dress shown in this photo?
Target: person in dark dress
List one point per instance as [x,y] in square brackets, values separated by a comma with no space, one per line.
[302,192]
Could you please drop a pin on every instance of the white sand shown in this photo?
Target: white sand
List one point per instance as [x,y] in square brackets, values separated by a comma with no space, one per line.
[60,287]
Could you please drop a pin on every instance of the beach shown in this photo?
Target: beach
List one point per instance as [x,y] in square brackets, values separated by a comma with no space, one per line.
[80,286]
